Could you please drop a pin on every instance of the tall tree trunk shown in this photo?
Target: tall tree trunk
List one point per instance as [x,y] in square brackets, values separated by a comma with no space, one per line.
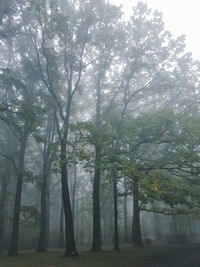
[62,240]
[69,227]
[44,202]
[4,192]
[111,215]
[74,190]
[42,243]
[96,241]
[48,217]
[136,228]
[13,250]
[103,229]
[77,218]
[116,235]
[82,233]
[126,240]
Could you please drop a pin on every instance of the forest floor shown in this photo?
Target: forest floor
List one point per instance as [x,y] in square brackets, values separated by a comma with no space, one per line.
[177,256]
[151,256]
[127,257]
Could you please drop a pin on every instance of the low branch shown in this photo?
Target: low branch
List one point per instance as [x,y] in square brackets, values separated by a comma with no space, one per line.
[165,211]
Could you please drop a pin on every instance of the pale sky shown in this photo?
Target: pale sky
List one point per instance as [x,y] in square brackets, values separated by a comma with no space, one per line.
[179,16]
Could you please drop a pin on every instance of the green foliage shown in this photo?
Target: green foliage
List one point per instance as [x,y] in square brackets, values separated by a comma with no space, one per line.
[30,177]
[172,191]
[123,69]
[91,136]
[158,151]
[29,216]
[21,112]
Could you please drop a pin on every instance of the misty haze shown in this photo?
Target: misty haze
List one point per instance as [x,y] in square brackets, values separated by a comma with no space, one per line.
[99,137]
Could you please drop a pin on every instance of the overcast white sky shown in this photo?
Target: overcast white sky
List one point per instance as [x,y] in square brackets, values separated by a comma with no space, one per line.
[180,17]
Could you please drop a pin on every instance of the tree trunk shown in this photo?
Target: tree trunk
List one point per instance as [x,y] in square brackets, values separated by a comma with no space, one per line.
[96,242]
[126,240]
[42,243]
[116,235]
[48,217]
[4,191]
[77,218]
[111,216]
[103,229]
[70,249]
[13,250]
[136,228]
[82,223]
[74,190]
[44,202]
[62,240]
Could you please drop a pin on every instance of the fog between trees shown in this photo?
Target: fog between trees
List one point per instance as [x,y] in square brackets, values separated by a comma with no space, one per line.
[100,128]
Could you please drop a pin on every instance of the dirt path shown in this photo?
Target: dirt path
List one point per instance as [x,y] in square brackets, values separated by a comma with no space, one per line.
[178,256]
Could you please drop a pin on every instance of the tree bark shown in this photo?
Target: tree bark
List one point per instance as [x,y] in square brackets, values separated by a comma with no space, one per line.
[82,232]
[136,228]
[4,192]
[13,250]
[116,234]
[126,240]
[62,240]
[42,243]
[70,249]
[96,241]
[77,216]
[111,216]
[74,190]
[48,216]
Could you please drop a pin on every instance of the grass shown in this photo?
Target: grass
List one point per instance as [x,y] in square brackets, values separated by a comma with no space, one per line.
[127,257]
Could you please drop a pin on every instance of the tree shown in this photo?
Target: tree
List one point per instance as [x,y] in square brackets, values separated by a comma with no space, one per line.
[116,234]
[72,34]
[113,101]
[22,121]
[20,115]
[159,153]
[7,166]
[48,156]
[107,43]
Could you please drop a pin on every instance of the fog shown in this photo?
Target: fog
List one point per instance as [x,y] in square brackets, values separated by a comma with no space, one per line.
[99,136]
